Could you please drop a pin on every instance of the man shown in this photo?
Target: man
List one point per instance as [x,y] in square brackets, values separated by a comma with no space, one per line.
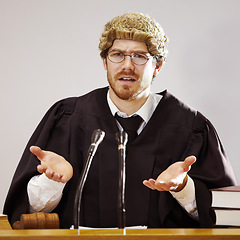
[171,164]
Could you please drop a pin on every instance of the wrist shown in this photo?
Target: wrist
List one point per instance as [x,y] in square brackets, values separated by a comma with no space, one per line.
[181,186]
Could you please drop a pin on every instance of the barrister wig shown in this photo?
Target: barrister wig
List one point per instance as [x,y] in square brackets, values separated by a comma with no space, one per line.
[135,26]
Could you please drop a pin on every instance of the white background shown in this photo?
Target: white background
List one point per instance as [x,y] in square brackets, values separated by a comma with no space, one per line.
[49,50]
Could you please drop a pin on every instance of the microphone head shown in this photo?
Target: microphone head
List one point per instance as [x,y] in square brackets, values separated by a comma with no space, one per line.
[97,136]
[122,137]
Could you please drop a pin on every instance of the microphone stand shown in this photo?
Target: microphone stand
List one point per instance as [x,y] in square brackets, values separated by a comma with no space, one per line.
[97,138]
[122,138]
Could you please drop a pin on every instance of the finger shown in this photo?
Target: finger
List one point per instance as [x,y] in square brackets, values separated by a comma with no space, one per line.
[38,152]
[49,173]
[41,168]
[154,184]
[161,185]
[65,178]
[188,162]
[149,184]
[57,177]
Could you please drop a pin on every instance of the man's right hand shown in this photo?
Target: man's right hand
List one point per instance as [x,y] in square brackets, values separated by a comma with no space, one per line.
[53,165]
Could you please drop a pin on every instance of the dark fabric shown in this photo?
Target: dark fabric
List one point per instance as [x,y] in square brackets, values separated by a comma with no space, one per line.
[130,125]
[174,132]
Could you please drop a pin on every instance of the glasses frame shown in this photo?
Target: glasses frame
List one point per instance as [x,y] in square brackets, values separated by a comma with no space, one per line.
[130,55]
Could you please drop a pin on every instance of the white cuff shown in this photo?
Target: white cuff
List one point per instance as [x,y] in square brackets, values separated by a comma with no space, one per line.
[186,197]
[44,194]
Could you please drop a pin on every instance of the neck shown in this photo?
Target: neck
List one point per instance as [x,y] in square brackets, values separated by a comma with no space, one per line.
[129,106]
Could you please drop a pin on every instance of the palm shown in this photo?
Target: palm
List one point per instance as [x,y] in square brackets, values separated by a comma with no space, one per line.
[174,178]
[53,165]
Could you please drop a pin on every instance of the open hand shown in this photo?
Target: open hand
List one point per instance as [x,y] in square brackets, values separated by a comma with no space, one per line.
[174,178]
[53,165]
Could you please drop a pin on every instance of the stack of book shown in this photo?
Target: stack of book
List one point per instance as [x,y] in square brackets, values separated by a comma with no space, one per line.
[226,204]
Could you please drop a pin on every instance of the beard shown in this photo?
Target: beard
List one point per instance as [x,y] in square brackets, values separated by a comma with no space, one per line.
[124,91]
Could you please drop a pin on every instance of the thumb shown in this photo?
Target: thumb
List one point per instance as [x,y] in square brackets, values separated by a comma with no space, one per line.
[188,162]
[38,152]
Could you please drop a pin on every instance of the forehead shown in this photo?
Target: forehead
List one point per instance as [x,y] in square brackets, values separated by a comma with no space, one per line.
[129,46]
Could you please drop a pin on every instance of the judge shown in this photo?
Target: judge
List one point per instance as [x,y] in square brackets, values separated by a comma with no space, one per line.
[171,163]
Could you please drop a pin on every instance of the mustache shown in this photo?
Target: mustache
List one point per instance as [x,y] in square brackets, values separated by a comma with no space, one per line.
[127,73]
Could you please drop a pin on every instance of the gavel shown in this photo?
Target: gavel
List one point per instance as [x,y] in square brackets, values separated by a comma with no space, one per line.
[38,220]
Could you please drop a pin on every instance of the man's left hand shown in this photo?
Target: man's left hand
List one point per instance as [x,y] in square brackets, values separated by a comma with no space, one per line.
[174,178]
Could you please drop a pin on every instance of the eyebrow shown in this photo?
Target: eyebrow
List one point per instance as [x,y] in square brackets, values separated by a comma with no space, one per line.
[133,51]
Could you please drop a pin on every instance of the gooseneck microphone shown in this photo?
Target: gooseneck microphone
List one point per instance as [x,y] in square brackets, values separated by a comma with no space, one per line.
[122,139]
[96,139]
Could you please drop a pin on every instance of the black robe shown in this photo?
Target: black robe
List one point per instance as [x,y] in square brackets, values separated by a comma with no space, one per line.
[174,132]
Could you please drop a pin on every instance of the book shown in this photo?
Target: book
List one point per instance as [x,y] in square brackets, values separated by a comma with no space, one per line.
[227,217]
[226,197]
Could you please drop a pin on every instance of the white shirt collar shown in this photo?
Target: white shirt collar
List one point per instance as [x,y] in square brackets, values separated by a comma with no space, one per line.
[145,111]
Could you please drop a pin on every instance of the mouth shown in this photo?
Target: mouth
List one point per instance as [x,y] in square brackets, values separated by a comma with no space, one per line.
[127,79]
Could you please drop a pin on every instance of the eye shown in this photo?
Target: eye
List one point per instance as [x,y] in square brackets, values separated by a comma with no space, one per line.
[116,54]
[139,56]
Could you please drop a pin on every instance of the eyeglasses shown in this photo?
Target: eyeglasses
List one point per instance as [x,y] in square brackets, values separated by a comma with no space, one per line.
[137,58]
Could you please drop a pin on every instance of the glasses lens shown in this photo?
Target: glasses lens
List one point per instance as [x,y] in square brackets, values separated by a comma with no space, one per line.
[116,56]
[139,58]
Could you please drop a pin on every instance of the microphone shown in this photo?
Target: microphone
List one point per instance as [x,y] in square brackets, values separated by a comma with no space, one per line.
[122,139]
[96,139]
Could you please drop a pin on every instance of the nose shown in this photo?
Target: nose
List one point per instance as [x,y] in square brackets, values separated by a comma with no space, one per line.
[127,63]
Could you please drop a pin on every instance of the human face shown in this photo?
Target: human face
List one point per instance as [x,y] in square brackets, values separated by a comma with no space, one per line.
[128,81]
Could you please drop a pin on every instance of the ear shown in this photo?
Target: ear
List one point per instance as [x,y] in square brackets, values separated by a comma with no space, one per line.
[158,68]
[104,63]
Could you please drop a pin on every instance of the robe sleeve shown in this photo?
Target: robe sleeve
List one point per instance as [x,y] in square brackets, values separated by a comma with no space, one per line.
[55,123]
[212,168]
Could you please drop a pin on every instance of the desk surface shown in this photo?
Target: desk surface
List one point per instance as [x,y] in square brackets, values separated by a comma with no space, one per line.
[117,234]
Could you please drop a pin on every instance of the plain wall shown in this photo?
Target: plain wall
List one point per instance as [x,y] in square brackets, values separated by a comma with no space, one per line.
[49,50]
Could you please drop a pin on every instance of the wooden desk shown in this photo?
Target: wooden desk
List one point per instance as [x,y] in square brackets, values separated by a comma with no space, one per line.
[116,234]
